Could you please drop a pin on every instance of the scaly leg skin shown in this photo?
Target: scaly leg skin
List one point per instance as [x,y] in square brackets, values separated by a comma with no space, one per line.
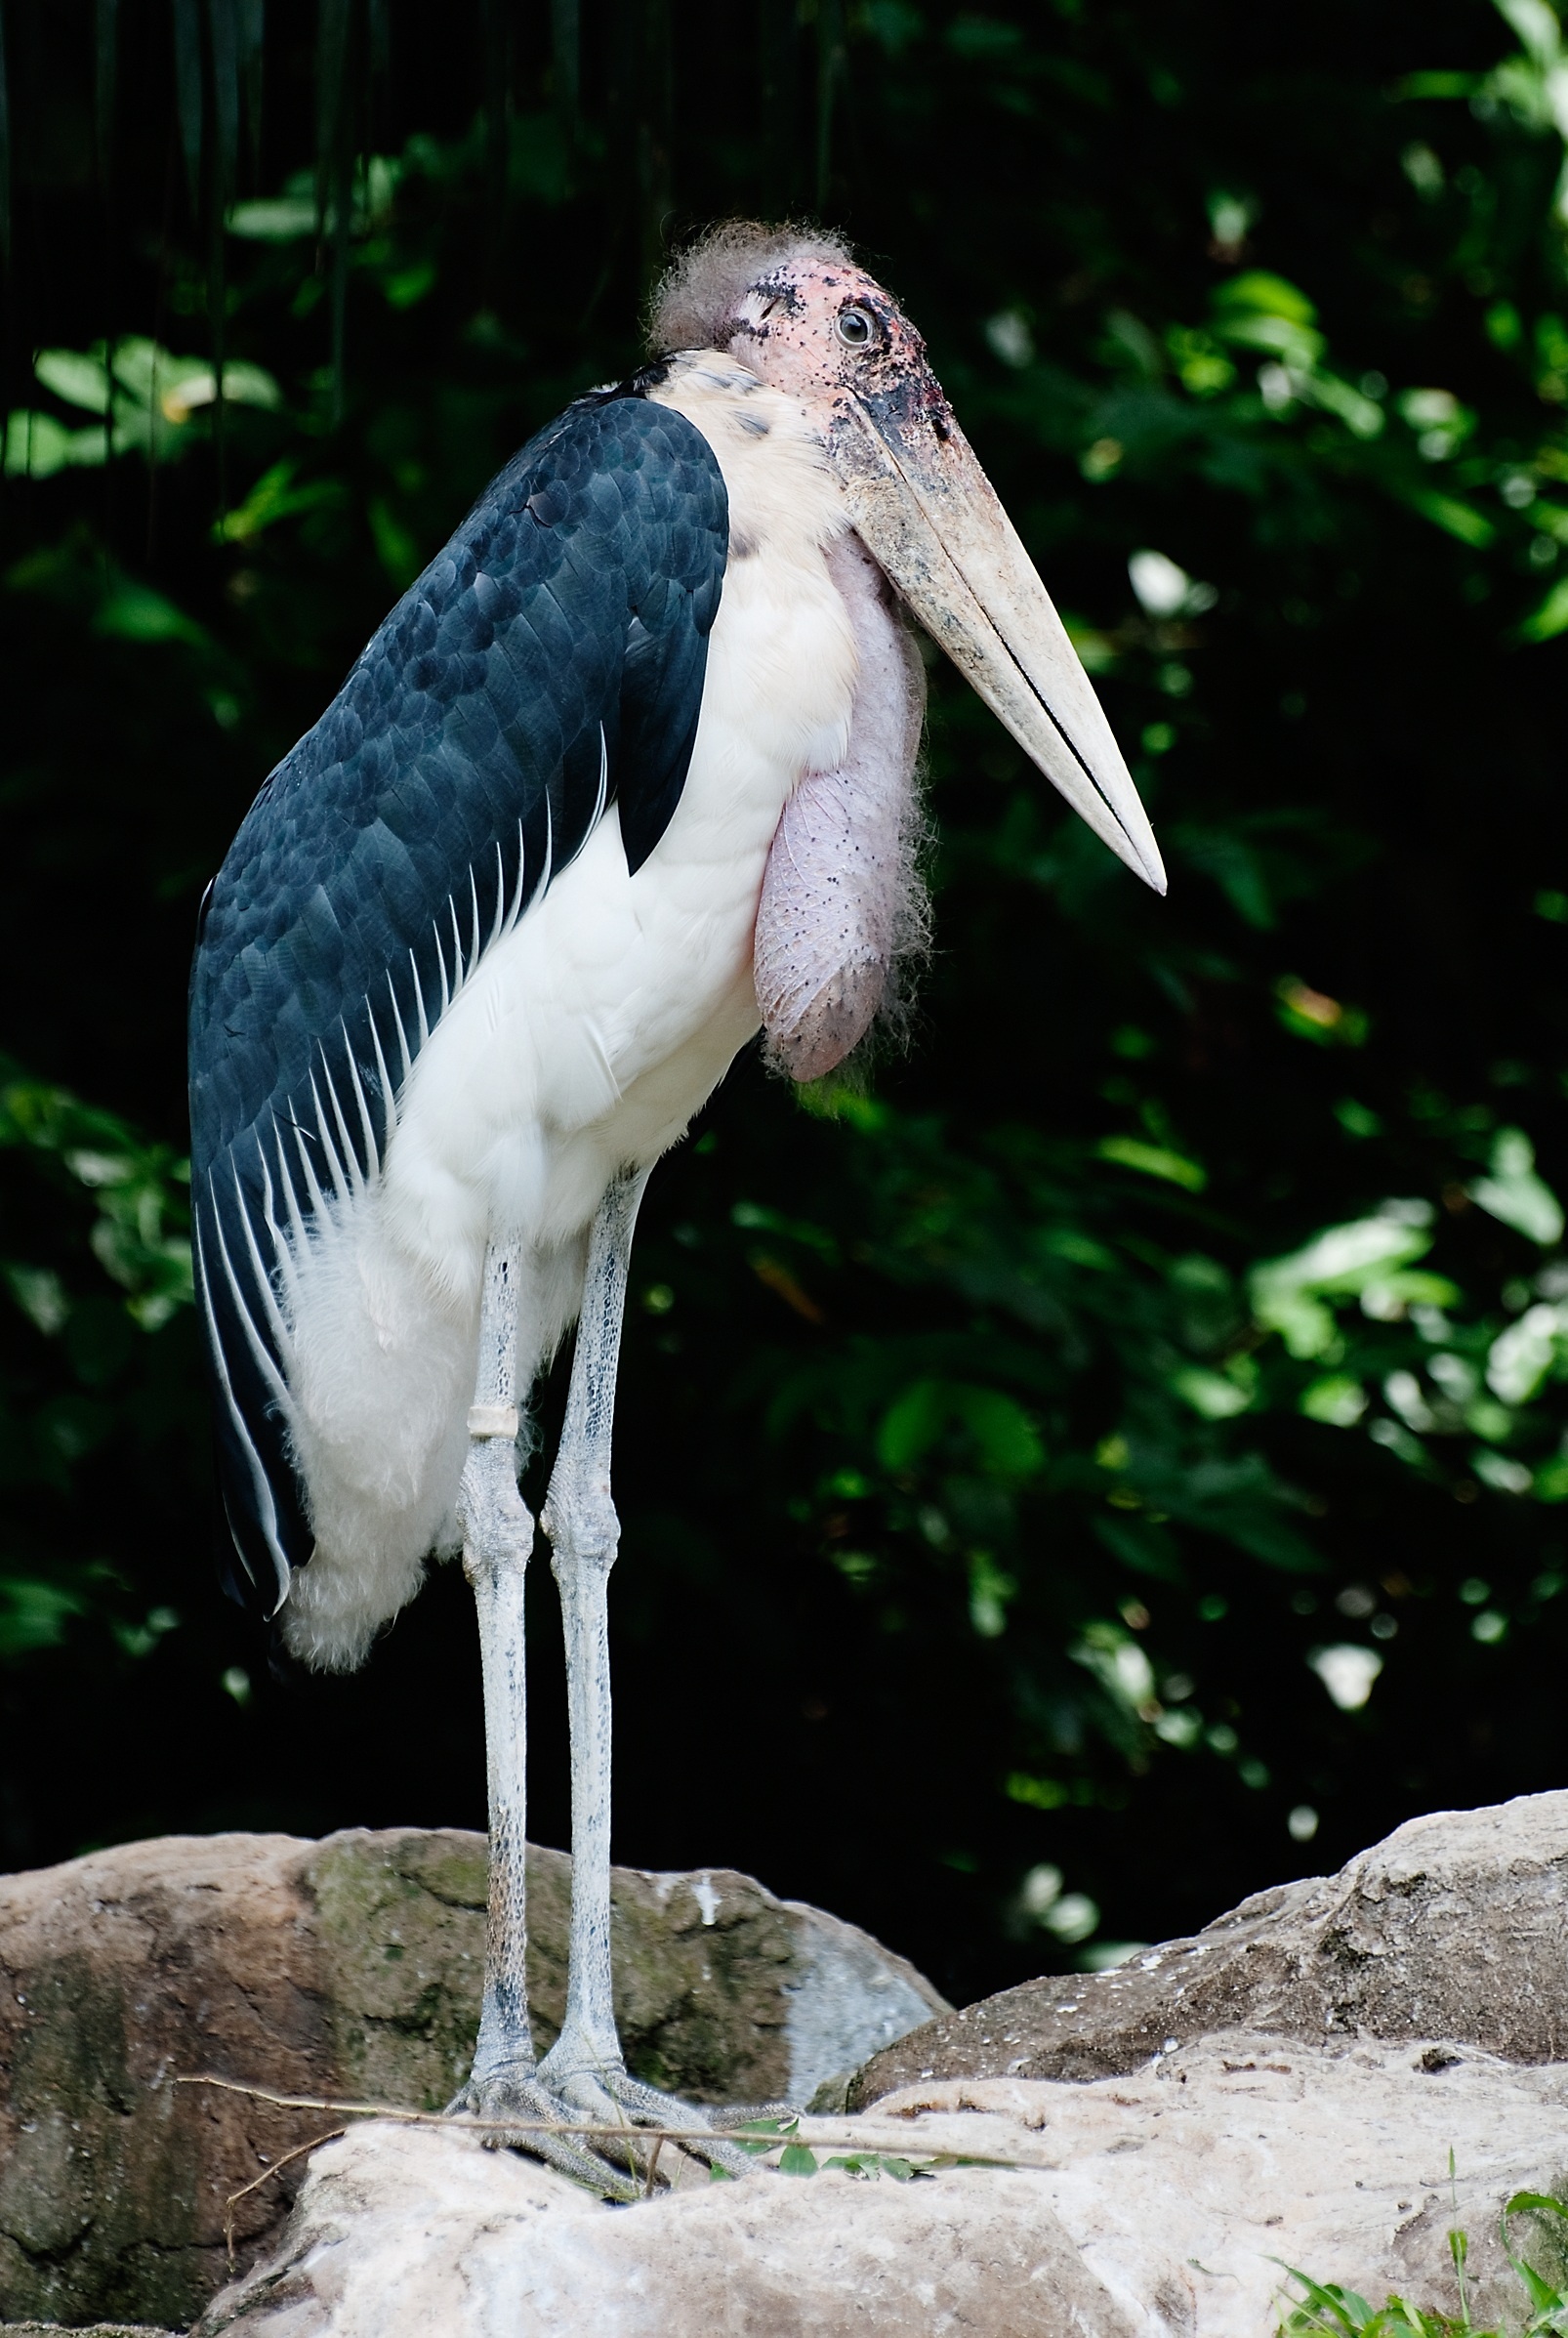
[497,1538]
[585,2064]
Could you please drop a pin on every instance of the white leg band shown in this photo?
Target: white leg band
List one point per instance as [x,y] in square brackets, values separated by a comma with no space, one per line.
[493,1420]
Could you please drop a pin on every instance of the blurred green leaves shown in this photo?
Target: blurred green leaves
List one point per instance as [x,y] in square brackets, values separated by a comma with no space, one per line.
[112,1210]
[149,403]
[1289,1294]
[139,1233]
[995,1433]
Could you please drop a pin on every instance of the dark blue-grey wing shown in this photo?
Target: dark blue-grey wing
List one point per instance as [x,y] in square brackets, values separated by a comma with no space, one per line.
[550,661]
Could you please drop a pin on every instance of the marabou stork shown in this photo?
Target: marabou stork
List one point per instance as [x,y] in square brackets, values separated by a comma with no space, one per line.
[626,773]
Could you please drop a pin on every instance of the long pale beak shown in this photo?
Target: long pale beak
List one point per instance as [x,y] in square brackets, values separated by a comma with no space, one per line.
[931,519]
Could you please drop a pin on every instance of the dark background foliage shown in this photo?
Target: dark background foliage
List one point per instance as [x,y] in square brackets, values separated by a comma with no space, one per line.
[990,1493]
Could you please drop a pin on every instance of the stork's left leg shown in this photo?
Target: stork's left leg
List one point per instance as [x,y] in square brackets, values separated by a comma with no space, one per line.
[585,2064]
[497,1537]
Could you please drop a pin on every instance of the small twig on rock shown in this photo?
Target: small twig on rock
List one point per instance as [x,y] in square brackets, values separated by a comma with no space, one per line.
[466,2123]
[265,2177]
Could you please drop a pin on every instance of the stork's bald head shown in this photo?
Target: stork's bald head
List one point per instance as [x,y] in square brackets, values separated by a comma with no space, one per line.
[698,303]
[793,307]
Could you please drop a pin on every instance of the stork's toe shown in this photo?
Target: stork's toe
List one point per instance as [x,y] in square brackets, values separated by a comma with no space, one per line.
[517,2114]
[610,2094]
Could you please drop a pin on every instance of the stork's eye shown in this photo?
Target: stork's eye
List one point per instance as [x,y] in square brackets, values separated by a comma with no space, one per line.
[855,327]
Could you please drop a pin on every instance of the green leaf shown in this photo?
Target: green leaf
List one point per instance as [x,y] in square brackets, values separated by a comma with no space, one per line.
[35,1614]
[998,1431]
[1515,1195]
[1435,85]
[37,446]
[1154,1160]
[134,612]
[1456,519]
[1335,1399]
[868,2165]
[275,497]
[41,1295]
[75,376]
[1544,2203]
[1079,1249]
[1037,1793]
[283,219]
[1332,2309]
[797,2160]
[911,1425]
[1551,618]
[1543,2297]
[1269,295]
[1210,1394]
[1549,2304]
[990,1590]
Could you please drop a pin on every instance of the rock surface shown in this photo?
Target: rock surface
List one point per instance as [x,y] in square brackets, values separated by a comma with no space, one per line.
[1156,2205]
[1454,1928]
[1287,2086]
[351,1966]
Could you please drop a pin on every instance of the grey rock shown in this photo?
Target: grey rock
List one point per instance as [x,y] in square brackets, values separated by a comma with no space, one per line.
[1452,1929]
[346,1968]
[847,1988]
[1160,2205]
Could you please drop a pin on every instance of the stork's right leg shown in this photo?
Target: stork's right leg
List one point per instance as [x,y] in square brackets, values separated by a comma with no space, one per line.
[497,1540]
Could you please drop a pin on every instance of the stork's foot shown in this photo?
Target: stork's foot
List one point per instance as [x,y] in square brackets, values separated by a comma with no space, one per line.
[607,2092]
[514,2098]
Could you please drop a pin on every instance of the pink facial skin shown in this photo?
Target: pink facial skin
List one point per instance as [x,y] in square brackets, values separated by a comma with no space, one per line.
[840,892]
[789,329]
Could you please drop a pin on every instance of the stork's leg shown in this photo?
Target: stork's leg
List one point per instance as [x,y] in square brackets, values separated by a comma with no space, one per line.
[585,2063]
[579,1518]
[497,1540]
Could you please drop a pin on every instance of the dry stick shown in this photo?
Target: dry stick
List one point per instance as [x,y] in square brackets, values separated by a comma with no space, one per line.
[467,2123]
[265,2177]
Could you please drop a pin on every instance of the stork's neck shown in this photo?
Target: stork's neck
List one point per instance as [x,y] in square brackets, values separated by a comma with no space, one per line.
[782,494]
